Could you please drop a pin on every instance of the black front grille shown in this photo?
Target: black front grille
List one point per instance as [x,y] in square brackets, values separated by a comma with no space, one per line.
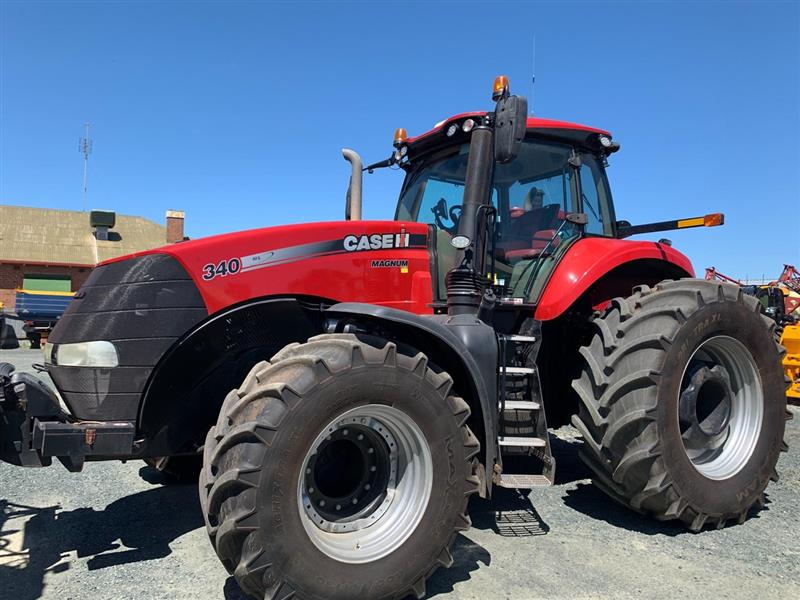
[141,305]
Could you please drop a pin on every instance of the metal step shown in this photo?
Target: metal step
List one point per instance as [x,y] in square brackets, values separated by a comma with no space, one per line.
[523,339]
[517,370]
[528,442]
[521,405]
[522,481]
[520,523]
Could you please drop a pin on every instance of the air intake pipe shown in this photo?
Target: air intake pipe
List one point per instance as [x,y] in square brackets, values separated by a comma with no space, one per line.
[466,283]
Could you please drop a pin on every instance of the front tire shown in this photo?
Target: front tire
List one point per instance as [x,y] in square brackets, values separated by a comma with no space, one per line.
[683,405]
[338,470]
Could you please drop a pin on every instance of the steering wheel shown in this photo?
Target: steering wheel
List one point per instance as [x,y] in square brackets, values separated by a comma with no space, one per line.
[442,213]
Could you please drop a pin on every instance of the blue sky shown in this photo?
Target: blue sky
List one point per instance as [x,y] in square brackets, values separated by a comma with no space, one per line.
[236,112]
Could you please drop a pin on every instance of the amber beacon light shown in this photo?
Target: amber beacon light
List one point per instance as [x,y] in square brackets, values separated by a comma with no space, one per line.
[400,136]
[500,88]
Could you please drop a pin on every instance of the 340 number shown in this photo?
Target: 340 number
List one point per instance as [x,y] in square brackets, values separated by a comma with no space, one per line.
[230,266]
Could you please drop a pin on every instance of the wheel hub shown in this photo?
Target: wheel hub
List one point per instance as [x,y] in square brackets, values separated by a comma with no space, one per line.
[720,407]
[706,401]
[372,468]
[350,476]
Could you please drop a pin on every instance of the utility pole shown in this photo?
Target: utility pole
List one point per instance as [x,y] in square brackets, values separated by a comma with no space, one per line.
[85,148]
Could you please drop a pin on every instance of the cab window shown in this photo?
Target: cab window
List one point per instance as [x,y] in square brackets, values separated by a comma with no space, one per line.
[435,194]
[595,196]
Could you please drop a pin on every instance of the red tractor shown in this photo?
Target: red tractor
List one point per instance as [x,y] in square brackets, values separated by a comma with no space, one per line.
[385,371]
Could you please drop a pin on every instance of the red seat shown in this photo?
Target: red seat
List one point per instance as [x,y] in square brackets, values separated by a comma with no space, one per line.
[538,243]
[529,232]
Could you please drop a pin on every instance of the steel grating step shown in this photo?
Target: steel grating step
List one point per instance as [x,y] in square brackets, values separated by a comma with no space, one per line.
[529,442]
[520,405]
[520,523]
[522,481]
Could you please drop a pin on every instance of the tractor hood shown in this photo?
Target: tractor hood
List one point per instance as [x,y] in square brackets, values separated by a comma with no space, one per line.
[333,260]
[136,307]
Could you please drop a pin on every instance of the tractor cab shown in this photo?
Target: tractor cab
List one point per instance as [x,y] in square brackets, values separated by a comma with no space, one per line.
[559,171]
[524,205]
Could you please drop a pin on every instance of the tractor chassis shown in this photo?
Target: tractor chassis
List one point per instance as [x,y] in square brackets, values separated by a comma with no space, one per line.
[34,429]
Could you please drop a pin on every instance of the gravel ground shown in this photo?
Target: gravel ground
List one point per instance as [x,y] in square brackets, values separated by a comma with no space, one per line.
[114,531]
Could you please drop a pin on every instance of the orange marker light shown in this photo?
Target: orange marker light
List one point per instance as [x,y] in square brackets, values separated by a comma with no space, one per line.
[713,220]
[400,136]
[501,87]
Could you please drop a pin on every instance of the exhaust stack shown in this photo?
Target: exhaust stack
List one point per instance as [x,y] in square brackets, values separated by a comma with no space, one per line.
[352,209]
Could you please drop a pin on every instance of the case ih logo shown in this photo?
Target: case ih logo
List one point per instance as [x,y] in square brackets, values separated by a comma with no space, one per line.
[288,254]
[376,241]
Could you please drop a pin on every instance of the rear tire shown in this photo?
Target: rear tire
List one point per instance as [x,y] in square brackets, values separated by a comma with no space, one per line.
[262,489]
[683,405]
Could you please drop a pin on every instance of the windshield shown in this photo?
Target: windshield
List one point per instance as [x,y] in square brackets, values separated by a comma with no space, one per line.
[532,195]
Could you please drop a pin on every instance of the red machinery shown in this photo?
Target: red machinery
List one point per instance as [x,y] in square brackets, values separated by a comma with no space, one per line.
[790,277]
[349,385]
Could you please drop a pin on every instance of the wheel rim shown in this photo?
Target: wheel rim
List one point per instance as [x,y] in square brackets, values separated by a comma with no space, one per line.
[365,483]
[721,407]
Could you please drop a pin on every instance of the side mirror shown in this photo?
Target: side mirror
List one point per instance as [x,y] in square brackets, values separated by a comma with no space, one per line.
[510,122]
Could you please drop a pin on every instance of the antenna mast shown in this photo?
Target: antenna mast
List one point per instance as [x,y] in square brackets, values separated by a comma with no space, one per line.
[533,74]
[85,148]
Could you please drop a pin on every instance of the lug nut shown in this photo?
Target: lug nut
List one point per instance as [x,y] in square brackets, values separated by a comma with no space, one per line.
[355,500]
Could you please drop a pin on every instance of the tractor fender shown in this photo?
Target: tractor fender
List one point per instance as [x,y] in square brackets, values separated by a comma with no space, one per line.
[590,258]
[461,345]
[182,397]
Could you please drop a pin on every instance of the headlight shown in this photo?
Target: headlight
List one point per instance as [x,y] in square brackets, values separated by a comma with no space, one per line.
[48,353]
[82,354]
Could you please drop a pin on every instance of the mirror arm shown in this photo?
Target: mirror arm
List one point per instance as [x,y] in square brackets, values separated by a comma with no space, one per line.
[625,229]
[381,164]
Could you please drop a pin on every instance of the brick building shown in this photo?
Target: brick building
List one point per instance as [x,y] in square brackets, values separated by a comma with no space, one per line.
[54,250]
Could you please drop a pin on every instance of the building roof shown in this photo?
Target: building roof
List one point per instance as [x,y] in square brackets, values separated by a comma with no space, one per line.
[49,236]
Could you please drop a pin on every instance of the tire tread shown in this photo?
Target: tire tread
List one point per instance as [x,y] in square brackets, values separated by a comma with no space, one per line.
[616,417]
[251,413]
